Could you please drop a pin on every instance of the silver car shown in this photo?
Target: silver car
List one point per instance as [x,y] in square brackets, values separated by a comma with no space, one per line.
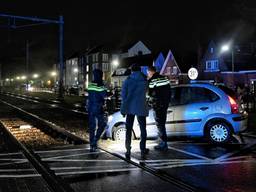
[200,110]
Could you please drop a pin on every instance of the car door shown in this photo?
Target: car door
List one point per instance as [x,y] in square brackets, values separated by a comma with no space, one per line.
[170,111]
[195,104]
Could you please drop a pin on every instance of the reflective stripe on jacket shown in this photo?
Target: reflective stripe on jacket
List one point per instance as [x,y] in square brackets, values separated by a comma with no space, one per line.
[96,98]
[159,90]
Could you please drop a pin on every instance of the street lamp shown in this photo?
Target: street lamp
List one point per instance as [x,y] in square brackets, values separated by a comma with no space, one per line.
[23,77]
[35,76]
[115,62]
[54,74]
[75,70]
[226,48]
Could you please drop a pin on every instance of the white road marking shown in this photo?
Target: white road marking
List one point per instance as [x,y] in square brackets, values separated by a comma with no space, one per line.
[225,156]
[189,153]
[74,155]
[63,150]
[20,176]
[99,171]
[82,160]
[178,162]
[203,163]
[10,154]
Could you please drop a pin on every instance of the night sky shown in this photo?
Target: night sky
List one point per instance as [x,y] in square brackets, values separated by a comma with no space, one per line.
[181,26]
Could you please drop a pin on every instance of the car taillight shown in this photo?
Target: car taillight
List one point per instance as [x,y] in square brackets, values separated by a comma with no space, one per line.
[234,105]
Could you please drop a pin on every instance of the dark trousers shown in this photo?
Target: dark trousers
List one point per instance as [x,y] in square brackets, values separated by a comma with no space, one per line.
[143,132]
[160,114]
[92,126]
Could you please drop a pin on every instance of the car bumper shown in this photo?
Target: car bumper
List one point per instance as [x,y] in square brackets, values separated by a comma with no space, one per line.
[239,122]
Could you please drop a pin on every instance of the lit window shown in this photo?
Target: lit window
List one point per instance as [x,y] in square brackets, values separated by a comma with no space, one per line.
[104,57]
[104,66]
[95,57]
[174,70]
[212,65]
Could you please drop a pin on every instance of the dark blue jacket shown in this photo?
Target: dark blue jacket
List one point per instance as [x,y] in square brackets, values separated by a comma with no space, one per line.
[96,98]
[134,95]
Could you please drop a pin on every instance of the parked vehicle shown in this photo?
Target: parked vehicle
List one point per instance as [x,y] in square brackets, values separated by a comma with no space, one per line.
[198,110]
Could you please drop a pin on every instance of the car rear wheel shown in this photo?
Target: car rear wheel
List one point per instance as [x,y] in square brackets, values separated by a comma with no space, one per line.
[218,132]
[119,133]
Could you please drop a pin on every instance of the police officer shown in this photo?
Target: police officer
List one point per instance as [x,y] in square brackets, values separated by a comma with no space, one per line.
[96,100]
[159,93]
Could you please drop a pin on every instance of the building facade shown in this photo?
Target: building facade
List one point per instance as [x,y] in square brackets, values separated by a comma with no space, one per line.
[236,67]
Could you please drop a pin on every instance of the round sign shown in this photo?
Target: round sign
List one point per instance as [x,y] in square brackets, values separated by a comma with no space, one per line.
[192,73]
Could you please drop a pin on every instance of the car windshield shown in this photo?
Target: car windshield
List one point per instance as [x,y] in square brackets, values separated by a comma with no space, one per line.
[228,91]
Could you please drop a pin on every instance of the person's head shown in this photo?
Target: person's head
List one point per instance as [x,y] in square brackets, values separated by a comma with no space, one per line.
[135,68]
[151,71]
[97,76]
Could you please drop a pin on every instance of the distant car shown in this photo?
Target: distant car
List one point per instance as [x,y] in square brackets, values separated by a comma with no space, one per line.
[195,110]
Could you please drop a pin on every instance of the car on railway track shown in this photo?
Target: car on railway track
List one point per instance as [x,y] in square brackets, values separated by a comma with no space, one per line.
[195,110]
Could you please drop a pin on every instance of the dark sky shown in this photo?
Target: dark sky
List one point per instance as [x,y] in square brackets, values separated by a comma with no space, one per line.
[178,25]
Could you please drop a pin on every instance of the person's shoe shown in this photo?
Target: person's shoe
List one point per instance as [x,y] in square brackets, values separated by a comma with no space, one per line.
[161,147]
[144,153]
[93,148]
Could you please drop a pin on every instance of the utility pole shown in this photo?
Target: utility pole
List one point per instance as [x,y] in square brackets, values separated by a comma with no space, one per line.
[61,60]
[27,63]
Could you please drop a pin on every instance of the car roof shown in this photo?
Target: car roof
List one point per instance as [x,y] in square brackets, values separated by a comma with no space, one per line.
[195,85]
[204,85]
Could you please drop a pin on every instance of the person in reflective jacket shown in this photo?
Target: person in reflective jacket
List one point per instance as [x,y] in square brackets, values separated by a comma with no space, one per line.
[160,94]
[96,100]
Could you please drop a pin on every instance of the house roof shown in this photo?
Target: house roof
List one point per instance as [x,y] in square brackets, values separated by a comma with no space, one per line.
[127,46]
[95,49]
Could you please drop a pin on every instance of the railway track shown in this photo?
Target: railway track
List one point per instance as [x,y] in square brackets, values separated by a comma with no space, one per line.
[30,132]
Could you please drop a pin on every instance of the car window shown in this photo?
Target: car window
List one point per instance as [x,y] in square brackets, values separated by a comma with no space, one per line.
[187,95]
[179,96]
[201,95]
[228,91]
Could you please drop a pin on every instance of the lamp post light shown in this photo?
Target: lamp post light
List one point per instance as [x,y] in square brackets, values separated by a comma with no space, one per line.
[115,63]
[23,77]
[35,76]
[53,74]
[226,48]
[75,70]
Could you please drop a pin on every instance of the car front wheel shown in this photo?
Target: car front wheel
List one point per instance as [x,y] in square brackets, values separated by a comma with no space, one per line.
[218,132]
[119,133]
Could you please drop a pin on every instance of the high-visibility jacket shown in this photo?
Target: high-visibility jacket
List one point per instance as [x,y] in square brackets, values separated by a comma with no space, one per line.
[96,98]
[159,90]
